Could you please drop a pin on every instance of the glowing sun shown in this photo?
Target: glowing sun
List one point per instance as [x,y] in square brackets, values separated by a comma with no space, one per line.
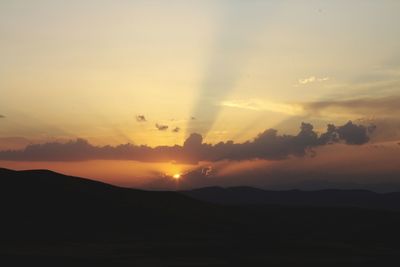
[176,176]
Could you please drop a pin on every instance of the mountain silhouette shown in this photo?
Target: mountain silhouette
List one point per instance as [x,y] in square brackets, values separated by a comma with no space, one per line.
[50,219]
[40,200]
[320,198]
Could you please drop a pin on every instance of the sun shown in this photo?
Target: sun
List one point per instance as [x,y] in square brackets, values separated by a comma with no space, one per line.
[176,176]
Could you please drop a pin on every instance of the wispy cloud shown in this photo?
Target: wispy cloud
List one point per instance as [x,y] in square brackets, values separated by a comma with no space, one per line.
[360,107]
[366,106]
[262,105]
[312,79]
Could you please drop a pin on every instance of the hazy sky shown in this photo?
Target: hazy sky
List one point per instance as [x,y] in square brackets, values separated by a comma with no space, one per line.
[225,69]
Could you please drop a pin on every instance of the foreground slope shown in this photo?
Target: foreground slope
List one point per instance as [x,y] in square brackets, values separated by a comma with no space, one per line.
[45,200]
[56,220]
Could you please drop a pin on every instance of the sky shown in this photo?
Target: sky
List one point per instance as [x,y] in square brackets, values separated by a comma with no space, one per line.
[95,74]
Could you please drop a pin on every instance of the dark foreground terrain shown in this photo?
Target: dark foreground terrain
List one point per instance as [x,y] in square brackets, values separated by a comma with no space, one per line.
[48,219]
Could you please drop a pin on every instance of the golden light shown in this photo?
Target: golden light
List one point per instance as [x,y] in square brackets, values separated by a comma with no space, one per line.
[176,176]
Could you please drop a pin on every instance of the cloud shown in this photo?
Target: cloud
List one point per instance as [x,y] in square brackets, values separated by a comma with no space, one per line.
[267,145]
[261,105]
[161,127]
[354,134]
[387,106]
[312,79]
[141,118]
[366,106]
[176,130]
[384,112]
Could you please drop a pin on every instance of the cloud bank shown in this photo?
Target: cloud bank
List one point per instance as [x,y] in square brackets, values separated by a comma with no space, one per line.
[267,145]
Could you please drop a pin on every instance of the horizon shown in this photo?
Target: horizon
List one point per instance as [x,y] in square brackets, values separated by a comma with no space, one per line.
[383,189]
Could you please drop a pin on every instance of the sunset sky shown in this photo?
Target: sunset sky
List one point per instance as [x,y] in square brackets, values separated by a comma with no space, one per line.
[154,72]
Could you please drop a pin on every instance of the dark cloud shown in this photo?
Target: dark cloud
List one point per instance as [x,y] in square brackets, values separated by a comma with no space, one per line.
[267,145]
[354,134]
[176,130]
[161,127]
[141,118]
[350,133]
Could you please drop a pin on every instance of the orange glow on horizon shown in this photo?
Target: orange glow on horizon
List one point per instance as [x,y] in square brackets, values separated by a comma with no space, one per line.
[177,176]
[118,172]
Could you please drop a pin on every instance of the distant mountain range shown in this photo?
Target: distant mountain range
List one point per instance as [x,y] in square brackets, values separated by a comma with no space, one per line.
[49,219]
[245,196]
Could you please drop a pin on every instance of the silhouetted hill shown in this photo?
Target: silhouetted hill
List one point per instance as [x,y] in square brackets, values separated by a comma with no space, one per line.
[49,219]
[41,199]
[320,198]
